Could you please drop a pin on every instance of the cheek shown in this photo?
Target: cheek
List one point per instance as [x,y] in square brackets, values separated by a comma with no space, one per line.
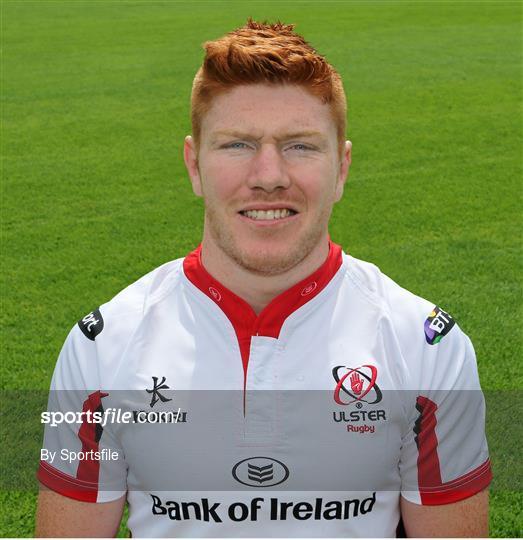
[220,182]
[319,187]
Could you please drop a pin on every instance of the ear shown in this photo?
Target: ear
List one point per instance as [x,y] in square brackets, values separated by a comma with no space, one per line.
[190,157]
[343,171]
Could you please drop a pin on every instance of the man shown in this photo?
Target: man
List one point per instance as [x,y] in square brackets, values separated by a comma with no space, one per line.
[347,401]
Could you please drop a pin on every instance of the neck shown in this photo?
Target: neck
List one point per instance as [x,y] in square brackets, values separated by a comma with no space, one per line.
[258,290]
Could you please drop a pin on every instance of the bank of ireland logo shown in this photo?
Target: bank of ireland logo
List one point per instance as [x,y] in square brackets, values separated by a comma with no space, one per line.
[260,471]
[437,325]
[356,385]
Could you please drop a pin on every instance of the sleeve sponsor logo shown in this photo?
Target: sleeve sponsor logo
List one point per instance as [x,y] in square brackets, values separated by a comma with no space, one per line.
[92,324]
[437,325]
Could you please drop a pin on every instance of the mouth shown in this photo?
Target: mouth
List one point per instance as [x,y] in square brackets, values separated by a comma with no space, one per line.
[274,214]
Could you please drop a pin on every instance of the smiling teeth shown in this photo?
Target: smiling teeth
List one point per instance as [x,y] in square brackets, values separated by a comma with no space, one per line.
[268,214]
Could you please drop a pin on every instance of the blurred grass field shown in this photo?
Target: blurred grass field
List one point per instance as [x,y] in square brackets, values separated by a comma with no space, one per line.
[94,193]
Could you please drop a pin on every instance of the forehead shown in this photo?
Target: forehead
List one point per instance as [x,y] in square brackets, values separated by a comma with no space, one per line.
[262,109]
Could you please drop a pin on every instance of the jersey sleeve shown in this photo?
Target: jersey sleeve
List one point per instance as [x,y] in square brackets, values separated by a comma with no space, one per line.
[80,458]
[444,456]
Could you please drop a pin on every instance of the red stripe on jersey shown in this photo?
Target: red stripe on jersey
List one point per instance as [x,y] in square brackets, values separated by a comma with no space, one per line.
[90,434]
[460,488]
[66,485]
[429,473]
[270,320]
[432,489]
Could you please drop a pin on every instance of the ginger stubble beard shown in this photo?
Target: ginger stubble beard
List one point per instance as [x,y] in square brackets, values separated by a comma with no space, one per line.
[263,263]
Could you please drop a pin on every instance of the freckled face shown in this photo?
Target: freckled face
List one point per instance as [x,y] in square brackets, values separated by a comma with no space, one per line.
[269,171]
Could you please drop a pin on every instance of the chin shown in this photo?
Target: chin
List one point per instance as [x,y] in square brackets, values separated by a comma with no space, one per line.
[268,262]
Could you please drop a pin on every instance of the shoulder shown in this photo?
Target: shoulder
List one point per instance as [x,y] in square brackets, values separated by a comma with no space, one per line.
[96,344]
[430,343]
[137,298]
[124,311]
[395,302]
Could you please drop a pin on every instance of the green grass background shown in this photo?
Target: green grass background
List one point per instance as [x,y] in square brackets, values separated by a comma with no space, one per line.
[94,193]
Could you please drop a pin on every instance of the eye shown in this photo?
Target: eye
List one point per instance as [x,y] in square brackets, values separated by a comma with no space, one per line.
[236,145]
[300,147]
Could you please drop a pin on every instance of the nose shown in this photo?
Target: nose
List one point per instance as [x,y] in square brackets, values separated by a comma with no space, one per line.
[268,170]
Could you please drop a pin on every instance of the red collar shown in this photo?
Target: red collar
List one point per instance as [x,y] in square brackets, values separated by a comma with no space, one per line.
[270,320]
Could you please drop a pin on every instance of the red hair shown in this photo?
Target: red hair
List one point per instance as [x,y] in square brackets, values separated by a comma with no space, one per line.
[265,53]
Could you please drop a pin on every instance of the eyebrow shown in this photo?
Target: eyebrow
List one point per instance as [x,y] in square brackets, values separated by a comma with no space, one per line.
[284,137]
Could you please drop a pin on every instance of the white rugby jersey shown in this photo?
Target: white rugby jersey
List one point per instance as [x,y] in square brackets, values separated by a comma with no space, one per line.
[309,419]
